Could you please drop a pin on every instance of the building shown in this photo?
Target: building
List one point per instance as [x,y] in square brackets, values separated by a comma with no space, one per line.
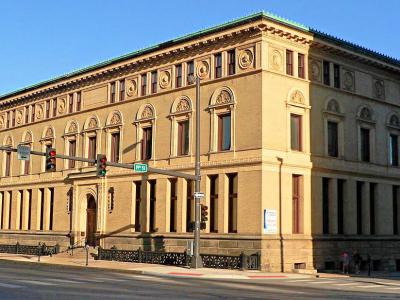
[299,130]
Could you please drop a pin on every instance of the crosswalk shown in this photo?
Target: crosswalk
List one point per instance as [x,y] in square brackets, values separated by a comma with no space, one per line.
[346,284]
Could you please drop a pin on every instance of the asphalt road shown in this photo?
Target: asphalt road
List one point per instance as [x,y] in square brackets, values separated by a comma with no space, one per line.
[23,282]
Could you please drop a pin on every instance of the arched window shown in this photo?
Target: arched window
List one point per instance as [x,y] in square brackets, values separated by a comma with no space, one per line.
[27,140]
[91,138]
[181,126]
[366,134]
[145,132]
[222,113]
[71,142]
[114,136]
[7,156]
[48,141]
[333,128]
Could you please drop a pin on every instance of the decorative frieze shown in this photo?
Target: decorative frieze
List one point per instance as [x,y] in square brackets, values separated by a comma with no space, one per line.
[378,88]
[348,81]
[315,70]
[276,59]
[246,58]
[165,78]
[132,87]
[203,68]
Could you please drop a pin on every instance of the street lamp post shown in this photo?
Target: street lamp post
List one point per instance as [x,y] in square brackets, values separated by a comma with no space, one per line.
[196,259]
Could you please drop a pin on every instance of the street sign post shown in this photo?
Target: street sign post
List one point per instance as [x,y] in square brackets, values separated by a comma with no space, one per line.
[140,168]
[198,194]
[24,152]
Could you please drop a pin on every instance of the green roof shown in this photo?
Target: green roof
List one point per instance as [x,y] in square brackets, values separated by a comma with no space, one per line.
[224,26]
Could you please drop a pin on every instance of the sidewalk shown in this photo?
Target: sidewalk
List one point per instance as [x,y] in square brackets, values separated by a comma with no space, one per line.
[144,269]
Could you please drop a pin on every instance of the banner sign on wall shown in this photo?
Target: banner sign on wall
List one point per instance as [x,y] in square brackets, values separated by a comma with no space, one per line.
[270,221]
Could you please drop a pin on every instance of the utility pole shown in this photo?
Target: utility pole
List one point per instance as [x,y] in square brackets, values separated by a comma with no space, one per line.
[196,259]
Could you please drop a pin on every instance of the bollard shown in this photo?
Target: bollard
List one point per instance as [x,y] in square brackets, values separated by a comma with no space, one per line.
[87,254]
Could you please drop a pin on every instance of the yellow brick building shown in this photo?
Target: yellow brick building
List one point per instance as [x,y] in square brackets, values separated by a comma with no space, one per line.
[299,148]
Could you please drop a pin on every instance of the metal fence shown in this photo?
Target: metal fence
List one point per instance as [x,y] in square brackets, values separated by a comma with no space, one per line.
[40,249]
[241,262]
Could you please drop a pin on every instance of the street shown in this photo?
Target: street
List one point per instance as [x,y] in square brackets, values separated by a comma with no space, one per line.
[20,281]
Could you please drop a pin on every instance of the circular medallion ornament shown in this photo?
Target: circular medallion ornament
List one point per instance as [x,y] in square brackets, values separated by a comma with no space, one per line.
[379,89]
[131,88]
[39,113]
[203,68]
[348,80]
[61,106]
[2,122]
[165,79]
[246,59]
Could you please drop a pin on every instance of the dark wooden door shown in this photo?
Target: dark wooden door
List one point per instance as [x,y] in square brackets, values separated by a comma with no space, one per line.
[91,221]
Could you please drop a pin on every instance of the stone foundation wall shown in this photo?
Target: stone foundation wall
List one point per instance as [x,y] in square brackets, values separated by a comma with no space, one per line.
[33,239]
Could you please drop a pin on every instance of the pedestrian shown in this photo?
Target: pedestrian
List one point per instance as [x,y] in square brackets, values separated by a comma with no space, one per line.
[357,261]
[346,262]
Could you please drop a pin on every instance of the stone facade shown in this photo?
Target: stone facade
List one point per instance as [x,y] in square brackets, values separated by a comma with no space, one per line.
[246,74]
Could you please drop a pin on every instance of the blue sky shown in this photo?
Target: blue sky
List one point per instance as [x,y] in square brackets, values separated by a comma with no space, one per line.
[40,39]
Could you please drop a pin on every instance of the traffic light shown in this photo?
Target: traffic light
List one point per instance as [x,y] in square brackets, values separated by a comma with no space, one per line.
[204,216]
[50,159]
[101,165]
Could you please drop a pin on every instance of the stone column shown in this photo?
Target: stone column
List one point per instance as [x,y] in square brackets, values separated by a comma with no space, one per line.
[316,183]
[365,212]
[223,201]
[181,205]
[35,213]
[7,210]
[333,206]
[46,214]
[14,209]
[383,209]
[162,215]
[350,207]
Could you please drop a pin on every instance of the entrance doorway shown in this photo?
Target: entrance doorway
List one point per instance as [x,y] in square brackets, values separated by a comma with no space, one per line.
[91,221]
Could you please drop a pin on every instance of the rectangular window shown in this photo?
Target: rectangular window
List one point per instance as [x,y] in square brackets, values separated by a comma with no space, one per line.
[183,138]
[92,148]
[8,164]
[325,205]
[178,75]
[147,144]
[224,132]
[152,205]
[333,149]
[336,76]
[138,186]
[365,144]
[47,109]
[301,66]
[143,89]
[29,209]
[289,62]
[360,185]
[372,189]
[154,82]
[78,101]
[395,191]
[232,202]
[2,210]
[71,103]
[115,141]
[13,118]
[173,205]
[218,65]
[112,92]
[190,72]
[213,209]
[121,90]
[295,132]
[394,150]
[326,72]
[10,210]
[41,221]
[21,208]
[189,206]
[72,152]
[54,107]
[297,204]
[26,114]
[231,62]
[27,165]
[33,113]
[8,119]
[340,207]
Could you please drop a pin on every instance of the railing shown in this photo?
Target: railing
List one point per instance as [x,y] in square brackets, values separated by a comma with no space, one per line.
[241,262]
[40,249]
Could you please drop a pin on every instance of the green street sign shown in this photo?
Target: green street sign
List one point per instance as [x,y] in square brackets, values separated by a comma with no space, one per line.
[140,168]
